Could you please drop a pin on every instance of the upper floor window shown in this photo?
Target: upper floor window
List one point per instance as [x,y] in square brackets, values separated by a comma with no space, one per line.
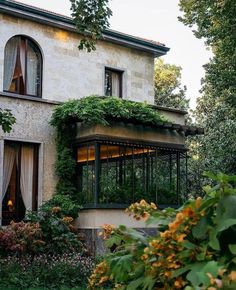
[22,67]
[113,82]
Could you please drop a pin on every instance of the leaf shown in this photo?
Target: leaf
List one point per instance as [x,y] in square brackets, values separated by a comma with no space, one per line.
[232,249]
[214,242]
[200,230]
[135,284]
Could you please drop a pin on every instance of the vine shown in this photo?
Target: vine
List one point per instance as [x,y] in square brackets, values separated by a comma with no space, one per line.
[91,110]
[91,18]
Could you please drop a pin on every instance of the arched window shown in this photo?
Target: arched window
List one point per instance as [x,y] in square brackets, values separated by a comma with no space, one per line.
[22,67]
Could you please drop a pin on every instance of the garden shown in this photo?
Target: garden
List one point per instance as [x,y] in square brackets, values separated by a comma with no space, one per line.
[194,247]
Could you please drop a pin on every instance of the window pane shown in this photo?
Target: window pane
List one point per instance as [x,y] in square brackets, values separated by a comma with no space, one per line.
[22,67]
[33,70]
[113,83]
[86,173]
[10,57]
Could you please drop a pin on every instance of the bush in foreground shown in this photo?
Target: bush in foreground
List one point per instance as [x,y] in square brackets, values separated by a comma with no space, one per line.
[67,271]
[195,248]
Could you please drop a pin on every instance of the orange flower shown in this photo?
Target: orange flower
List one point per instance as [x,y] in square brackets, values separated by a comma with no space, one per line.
[232,276]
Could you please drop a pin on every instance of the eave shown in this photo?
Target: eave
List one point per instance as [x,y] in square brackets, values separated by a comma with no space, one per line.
[28,12]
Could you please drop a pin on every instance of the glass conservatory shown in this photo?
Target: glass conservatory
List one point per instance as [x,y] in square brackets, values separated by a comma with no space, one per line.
[113,171]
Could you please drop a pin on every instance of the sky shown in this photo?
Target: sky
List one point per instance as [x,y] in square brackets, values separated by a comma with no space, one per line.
[156,20]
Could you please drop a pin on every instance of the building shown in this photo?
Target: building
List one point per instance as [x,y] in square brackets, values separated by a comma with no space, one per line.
[40,67]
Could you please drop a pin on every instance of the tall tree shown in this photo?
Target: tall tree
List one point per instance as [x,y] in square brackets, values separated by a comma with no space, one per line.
[215,22]
[167,85]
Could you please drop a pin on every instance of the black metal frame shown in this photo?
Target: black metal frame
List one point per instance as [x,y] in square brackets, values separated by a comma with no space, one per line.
[148,164]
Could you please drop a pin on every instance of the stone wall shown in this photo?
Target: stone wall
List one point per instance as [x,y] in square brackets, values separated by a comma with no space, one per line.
[32,125]
[70,73]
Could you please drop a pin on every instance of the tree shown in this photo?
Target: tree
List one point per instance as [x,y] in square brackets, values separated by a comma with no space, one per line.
[167,86]
[6,120]
[91,18]
[215,21]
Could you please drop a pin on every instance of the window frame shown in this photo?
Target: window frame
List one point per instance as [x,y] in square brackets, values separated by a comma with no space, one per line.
[120,73]
[27,39]
[16,214]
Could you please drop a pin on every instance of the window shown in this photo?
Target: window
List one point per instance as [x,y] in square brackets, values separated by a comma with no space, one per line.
[116,174]
[20,180]
[113,82]
[22,67]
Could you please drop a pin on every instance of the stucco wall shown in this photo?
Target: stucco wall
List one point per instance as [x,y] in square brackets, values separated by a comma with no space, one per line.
[70,73]
[32,125]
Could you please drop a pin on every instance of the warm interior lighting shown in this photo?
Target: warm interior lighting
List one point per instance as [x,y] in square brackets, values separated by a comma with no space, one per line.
[108,151]
[9,203]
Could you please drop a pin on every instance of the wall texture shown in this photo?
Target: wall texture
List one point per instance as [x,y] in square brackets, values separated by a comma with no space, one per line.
[70,73]
[32,125]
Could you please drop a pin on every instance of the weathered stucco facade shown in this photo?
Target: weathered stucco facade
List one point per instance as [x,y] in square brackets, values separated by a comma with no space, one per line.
[71,73]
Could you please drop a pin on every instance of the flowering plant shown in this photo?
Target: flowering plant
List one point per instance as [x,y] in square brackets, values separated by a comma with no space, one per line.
[195,249]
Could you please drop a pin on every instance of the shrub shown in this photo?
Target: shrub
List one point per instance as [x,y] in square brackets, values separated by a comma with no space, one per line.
[21,238]
[194,249]
[68,207]
[59,234]
[67,271]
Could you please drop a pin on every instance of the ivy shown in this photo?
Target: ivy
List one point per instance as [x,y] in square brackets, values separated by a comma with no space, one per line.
[6,120]
[91,18]
[91,110]
[100,110]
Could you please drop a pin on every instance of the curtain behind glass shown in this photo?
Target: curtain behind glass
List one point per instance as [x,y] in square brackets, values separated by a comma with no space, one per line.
[22,58]
[32,71]
[8,162]
[26,178]
[115,85]
[10,62]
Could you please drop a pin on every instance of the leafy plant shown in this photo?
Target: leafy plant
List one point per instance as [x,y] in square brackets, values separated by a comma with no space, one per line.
[58,233]
[67,206]
[6,120]
[194,249]
[91,18]
[66,271]
[21,238]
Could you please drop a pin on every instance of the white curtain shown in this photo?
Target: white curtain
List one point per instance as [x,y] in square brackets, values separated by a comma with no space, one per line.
[9,62]
[26,178]
[32,71]
[8,162]
[22,58]
[115,85]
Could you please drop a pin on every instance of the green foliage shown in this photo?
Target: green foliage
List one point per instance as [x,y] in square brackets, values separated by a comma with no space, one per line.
[63,272]
[195,250]
[91,18]
[91,110]
[214,21]
[6,120]
[58,233]
[67,206]
[100,110]
[167,85]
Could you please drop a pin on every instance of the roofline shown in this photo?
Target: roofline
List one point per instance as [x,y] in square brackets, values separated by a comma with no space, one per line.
[60,21]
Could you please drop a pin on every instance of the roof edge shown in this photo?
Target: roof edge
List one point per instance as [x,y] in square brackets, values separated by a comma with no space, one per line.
[57,20]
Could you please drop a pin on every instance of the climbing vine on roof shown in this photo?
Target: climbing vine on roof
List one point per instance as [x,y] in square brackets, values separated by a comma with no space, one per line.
[100,110]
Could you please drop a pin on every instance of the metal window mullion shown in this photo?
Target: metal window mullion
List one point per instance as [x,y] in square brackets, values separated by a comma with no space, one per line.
[97,173]
[178,177]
